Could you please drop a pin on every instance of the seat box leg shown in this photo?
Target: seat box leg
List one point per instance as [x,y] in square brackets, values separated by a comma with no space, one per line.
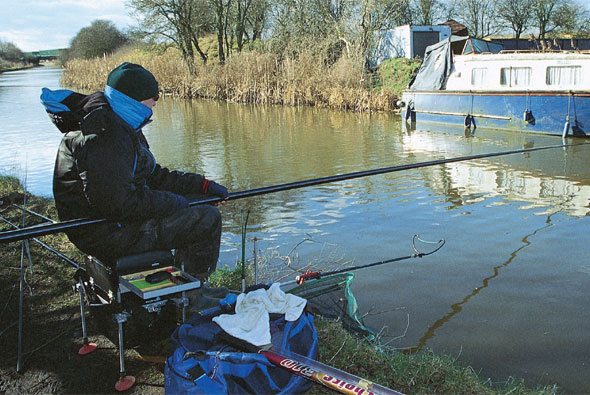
[87,347]
[125,382]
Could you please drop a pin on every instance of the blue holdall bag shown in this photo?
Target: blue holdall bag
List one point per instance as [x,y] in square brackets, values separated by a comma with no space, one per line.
[202,363]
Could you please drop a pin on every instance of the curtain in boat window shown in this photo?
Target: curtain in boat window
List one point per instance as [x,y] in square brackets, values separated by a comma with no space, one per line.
[515,76]
[478,76]
[564,75]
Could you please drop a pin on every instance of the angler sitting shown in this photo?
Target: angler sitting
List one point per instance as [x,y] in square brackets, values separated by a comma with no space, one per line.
[104,169]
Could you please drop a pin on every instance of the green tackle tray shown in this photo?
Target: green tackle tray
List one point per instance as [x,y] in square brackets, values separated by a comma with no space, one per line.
[179,281]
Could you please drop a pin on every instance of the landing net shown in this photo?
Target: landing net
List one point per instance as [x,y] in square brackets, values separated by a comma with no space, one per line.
[331,297]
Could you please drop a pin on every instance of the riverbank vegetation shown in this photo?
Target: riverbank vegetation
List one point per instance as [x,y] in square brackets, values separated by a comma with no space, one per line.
[52,335]
[258,77]
[12,58]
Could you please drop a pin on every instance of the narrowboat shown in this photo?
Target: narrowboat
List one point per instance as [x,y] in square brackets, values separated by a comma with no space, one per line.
[475,83]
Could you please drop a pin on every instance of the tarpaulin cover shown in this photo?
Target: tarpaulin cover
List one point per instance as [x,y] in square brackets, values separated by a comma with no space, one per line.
[435,68]
[202,363]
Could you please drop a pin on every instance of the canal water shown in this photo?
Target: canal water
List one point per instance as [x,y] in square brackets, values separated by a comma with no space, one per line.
[507,294]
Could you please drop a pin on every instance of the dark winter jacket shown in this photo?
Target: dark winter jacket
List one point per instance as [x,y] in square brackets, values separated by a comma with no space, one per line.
[104,168]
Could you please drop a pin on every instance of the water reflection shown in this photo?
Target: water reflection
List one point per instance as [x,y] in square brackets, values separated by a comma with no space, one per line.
[456,308]
[248,147]
[556,179]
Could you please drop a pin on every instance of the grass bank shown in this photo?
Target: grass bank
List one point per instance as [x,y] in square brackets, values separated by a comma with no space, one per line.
[260,78]
[52,336]
[10,66]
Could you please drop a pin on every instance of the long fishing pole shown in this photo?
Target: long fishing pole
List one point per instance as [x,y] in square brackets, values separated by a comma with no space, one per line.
[328,376]
[309,275]
[46,229]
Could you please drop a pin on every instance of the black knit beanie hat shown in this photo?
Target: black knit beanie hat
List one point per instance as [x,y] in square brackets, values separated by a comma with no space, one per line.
[134,81]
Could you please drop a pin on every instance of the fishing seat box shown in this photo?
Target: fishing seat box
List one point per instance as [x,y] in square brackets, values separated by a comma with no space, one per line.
[123,274]
[121,291]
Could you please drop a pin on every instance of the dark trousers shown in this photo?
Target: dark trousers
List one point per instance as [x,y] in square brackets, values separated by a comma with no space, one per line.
[194,232]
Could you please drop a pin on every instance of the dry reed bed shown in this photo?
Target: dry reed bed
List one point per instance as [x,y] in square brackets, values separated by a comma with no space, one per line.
[248,77]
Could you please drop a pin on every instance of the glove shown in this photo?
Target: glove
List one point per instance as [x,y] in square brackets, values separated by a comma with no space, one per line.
[211,188]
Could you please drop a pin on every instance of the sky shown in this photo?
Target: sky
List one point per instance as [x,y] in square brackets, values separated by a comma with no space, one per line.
[34,25]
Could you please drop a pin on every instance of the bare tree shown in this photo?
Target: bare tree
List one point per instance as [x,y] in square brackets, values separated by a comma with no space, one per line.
[221,17]
[544,14]
[516,15]
[572,18]
[300,23]
[478,16]
[257,19]
[427,12]
[181,21]
[377,16]
[10,52]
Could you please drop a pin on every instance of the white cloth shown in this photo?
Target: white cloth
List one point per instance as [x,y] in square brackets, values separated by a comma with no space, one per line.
[251,321]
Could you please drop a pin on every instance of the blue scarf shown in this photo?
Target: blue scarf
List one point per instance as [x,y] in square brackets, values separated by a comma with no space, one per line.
[135,113]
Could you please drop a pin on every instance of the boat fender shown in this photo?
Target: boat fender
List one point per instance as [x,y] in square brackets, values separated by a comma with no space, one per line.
[469,121]
[566,129]
[528,117]
[577,130]
[409,110]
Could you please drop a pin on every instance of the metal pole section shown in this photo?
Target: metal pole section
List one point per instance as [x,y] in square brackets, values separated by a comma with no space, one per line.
[20,310]
[82,315]
[24,247]
[50,249]
[41,230]
[255,264]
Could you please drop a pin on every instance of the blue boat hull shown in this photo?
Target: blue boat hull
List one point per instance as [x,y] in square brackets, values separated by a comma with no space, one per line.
[536,112]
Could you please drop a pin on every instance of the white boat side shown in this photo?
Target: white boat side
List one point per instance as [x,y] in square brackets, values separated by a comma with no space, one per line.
[538,71]
[540,92]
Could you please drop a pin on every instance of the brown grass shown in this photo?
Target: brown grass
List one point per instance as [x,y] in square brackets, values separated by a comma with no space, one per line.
[247,77]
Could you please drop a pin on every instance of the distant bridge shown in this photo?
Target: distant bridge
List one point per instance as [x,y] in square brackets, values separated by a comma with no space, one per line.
[46,54]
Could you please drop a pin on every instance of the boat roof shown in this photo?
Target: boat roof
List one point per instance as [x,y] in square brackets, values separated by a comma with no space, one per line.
[465,45]
[438,69]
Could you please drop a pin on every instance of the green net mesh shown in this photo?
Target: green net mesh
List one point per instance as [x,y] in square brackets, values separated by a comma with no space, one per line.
[332,298]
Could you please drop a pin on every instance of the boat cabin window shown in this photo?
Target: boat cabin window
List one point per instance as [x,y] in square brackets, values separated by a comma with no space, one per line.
[478,76]
[564,75]
[515,76]
[474,45]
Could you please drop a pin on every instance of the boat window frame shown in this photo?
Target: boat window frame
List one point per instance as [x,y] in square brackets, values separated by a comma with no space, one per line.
[511,81]
[577,76]
[483,80]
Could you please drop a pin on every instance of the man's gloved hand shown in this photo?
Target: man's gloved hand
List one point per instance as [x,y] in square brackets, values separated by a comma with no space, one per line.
[211,188]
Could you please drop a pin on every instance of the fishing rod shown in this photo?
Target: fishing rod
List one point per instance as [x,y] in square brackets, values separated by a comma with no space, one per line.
[309,275]
[46,229]
[328,376]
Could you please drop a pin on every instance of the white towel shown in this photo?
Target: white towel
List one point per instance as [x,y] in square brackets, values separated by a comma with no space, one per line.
[251,321]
